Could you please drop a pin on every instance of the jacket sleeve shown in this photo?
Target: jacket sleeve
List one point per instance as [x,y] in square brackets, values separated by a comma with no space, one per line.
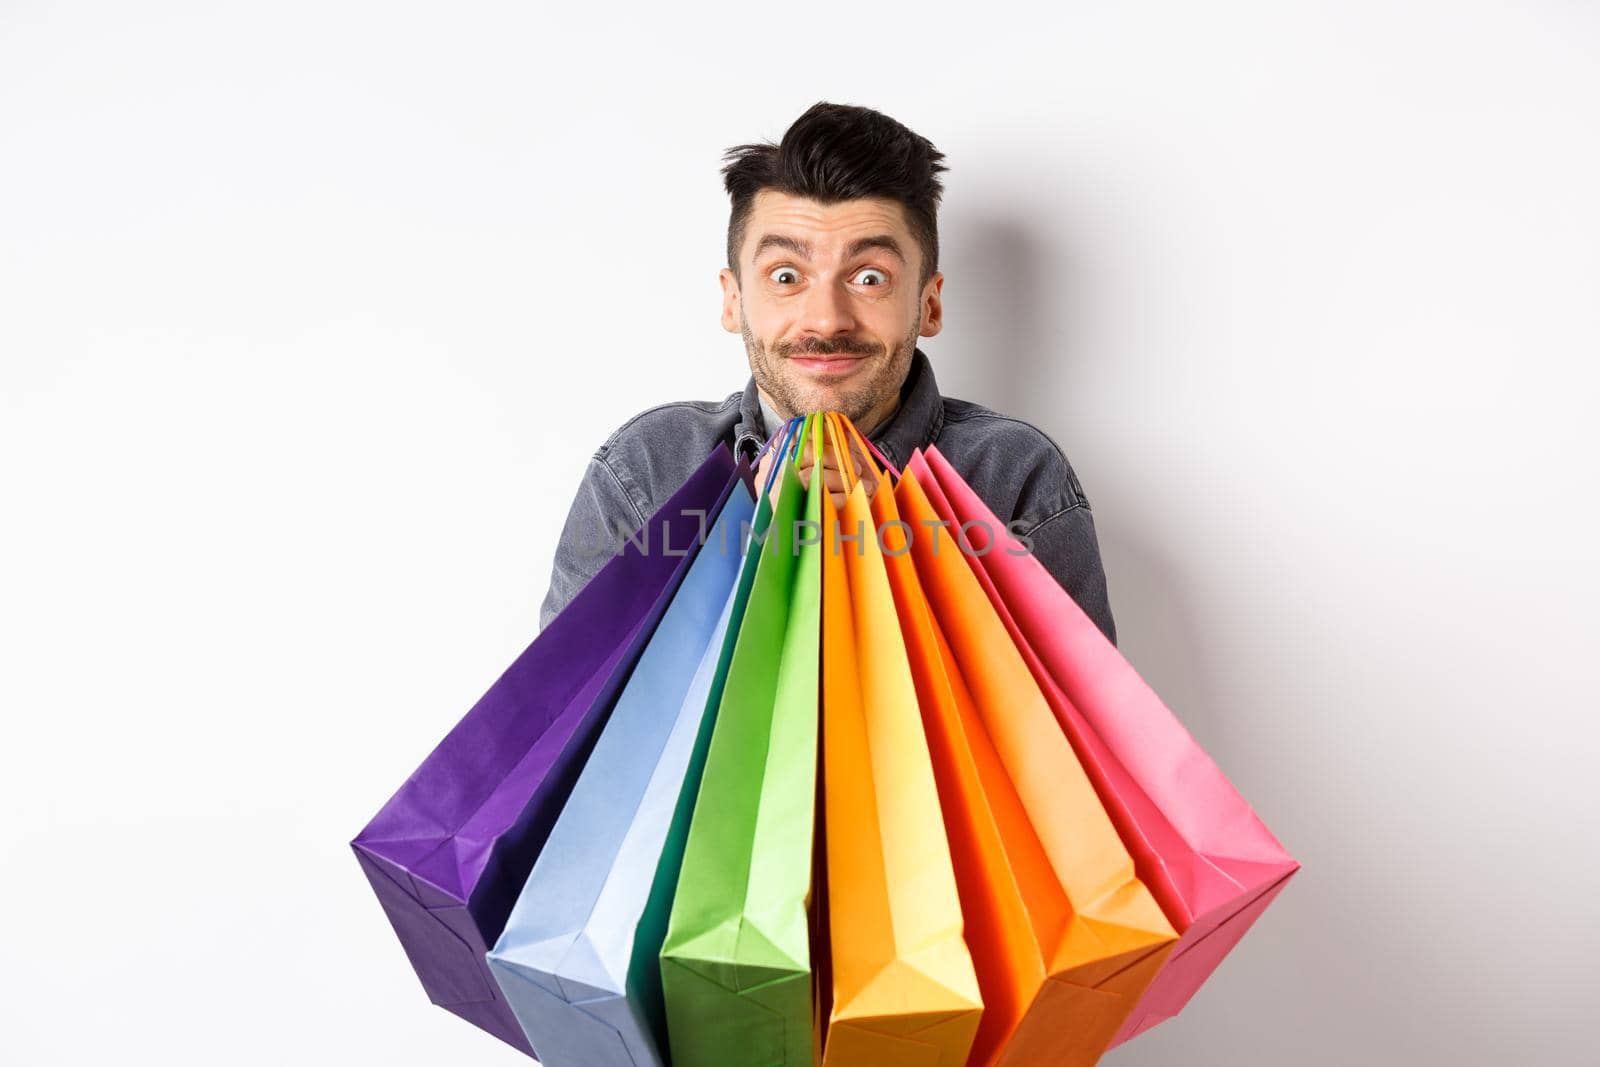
[602,514]
[1065,543]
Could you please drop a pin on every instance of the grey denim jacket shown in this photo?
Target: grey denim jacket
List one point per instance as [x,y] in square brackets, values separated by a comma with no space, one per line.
[1012,465]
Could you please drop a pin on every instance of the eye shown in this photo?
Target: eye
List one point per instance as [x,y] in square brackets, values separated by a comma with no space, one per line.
[883,279]
[778,273]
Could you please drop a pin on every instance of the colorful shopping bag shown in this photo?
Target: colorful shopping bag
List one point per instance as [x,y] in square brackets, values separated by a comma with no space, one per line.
[1065,936]
[578,958]
[1211,862]
[903,987]
[980,820]
[449,852]
[986,829]
[736,962]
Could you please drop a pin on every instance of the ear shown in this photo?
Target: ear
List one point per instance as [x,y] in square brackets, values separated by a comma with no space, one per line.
[730,300]
[933,305]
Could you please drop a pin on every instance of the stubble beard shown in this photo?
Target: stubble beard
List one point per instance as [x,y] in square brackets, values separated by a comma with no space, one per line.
[856,399]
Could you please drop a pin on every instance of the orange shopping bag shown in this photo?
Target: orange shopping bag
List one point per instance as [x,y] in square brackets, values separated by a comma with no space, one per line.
[903,986]
[1064,936]
[1210,861]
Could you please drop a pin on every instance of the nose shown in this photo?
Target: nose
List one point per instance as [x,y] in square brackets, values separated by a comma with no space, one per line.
[826,311]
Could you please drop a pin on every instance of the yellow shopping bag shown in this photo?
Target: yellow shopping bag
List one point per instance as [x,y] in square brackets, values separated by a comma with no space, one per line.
[903,986]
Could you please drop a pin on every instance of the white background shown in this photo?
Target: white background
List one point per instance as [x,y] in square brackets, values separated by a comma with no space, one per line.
[310,314]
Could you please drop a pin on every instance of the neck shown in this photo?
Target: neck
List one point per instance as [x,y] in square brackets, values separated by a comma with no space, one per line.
[878,417]
[868,424]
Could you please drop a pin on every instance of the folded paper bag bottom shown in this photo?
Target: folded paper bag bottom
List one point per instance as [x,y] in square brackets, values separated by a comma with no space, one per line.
[440,944]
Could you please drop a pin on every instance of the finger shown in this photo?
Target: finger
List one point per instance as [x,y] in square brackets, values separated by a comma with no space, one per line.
[833,461]
[855,459]
[836,471]
[837,464]
[858,453]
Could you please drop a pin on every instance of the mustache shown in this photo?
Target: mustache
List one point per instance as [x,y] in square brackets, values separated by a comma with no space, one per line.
[819,347]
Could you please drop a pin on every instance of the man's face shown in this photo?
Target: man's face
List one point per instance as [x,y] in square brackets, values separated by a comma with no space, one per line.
[829,304]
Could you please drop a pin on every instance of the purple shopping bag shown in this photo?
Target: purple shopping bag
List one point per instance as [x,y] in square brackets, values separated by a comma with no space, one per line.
[449,853]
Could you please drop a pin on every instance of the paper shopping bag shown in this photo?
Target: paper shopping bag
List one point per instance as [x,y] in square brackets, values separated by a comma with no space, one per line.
[578,958]
[736,967]
[903,987]
[1065,936]
[1211,862]
[449,852]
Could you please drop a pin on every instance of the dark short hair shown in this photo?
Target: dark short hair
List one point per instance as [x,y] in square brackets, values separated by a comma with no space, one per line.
[837,152]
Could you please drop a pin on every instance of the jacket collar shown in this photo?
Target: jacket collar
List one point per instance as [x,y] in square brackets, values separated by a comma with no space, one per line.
[915,424]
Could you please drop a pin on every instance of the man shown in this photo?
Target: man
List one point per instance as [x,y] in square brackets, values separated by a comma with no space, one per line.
[832,276]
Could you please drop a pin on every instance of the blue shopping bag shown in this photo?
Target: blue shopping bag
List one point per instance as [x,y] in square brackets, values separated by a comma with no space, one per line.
[577,961]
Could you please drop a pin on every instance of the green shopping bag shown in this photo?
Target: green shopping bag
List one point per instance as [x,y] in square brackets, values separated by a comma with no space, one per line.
[736,965]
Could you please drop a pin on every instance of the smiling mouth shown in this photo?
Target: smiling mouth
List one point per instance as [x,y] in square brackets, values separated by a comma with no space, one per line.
[829,365]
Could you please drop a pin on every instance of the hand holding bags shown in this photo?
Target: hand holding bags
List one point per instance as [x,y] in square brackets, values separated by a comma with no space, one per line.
[577,960]
[903,987]
[736,962]
[449,852]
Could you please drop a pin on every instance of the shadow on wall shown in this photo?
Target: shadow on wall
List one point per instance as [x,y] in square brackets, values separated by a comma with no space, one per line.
[1015,332]
[1021,324]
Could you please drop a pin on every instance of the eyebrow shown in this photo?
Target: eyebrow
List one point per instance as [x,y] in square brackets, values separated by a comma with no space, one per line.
[803,248]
